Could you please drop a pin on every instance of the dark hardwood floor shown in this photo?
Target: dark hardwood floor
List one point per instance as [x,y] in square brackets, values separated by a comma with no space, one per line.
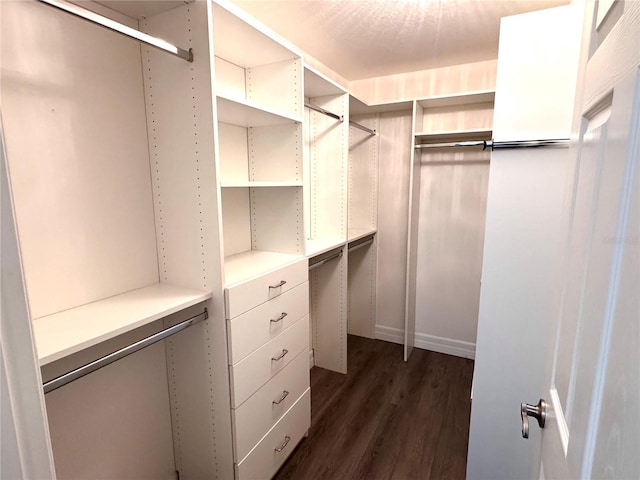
[386,419]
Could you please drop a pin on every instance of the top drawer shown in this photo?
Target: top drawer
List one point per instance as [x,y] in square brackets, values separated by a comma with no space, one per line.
[244,296]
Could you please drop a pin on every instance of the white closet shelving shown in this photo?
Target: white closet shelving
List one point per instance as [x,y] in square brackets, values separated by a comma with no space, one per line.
[114,188]
[259,99]
[259,102]
[326,156]
[446,119]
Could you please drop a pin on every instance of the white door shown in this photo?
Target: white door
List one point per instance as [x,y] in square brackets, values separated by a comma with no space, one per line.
[577,338]
[594,376]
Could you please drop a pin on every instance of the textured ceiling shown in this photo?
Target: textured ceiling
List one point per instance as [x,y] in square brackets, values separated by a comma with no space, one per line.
[370,38]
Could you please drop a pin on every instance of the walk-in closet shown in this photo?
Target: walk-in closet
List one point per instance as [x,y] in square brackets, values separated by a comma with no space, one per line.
[310,240]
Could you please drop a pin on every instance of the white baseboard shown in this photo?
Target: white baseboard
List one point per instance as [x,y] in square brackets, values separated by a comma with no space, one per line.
[428,342]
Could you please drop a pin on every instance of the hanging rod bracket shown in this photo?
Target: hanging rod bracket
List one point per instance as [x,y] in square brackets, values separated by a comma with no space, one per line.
[120,28]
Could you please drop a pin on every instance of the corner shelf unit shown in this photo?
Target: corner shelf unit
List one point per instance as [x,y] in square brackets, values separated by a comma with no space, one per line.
[258,84]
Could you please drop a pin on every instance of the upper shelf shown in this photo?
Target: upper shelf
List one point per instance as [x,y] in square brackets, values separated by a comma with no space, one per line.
[246,113]
[457,136]
[70,331]
[318,85]
[239,39]
[465,98]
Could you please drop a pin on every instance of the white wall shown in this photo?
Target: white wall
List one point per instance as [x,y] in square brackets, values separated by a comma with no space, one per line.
[450,245]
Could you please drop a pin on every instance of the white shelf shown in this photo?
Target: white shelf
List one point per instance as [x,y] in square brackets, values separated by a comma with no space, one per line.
[466,98]
[322,245]
[244,113]
[241,40]
[358,233]
[249,184]
[318,85]
[70,331]
[254,263]
[463,135]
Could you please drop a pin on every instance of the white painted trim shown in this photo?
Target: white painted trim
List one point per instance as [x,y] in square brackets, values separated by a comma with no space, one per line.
[389,334]
[424,341]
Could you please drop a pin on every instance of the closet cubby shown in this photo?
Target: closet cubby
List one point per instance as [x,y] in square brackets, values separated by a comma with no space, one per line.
[258,79]
[326,156]
[259,98]
[363,177]
[439,123]
[454,118]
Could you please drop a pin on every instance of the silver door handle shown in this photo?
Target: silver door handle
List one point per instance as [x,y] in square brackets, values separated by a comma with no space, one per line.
[285,394]
[539,412]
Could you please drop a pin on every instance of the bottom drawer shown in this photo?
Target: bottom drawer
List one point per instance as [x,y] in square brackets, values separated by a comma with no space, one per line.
[260,412]
[274,448]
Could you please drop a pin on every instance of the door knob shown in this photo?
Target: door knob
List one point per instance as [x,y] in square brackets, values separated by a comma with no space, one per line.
[539,412]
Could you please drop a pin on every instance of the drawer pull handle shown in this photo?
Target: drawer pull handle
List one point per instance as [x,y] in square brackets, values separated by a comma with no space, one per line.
[282,282]
[285,394]
[276,320]
[279,357]
[284,444]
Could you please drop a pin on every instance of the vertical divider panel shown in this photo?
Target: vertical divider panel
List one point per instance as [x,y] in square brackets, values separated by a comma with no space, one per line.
[412,241]
[327,287]
[180,118]
[362,291]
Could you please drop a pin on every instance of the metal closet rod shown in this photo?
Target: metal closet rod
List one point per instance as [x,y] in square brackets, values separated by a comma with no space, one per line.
[123,352]
[325,260]
[493,145]
[361,245]
[120,28]
[323,111]
[362,127]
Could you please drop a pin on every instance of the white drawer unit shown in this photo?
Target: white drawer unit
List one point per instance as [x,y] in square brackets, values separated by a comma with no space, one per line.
[243,296]
[250,374]
[268,455]
[264,408]
[252,329]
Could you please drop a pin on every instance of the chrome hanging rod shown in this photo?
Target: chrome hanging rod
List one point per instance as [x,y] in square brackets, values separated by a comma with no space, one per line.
[493,145]
[123,352]
[120,28]
[323,111]
[325,260]
[362,127]
[361,245]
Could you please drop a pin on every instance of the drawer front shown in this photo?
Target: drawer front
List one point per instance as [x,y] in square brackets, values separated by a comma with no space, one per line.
[264,460]
[264,408]
[252,329]
[246,295]
[250,374]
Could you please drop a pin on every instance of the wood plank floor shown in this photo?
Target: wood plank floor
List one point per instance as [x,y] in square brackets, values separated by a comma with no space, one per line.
[386,419]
